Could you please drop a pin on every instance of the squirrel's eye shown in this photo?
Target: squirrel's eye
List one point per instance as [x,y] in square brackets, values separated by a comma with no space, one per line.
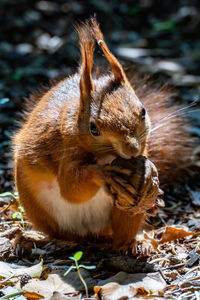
[93,129]
[143,113]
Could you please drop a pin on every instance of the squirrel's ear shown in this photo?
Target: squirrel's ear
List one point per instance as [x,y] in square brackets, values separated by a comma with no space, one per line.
[117,69]
[87,50]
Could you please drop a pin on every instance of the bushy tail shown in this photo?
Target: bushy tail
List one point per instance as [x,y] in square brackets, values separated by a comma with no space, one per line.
[171,147]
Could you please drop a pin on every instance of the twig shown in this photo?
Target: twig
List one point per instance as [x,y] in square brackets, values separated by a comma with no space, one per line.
[5,208]
[174,266]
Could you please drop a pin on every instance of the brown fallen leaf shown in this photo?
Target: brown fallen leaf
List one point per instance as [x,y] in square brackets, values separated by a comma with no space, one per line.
[97,291]
[171,233]
[167,234]
[141,292]
[33,296]
[153,242]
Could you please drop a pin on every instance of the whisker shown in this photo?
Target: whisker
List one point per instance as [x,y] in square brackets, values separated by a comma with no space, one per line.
[171,117]
[180,109]
[141,136]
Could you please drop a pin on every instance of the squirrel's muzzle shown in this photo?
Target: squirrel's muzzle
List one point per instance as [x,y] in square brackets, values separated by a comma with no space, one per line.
[131,147]
[128,148]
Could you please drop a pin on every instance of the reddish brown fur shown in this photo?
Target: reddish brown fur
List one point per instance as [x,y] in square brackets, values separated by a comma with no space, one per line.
[87,51]
[55,141]
[170,146]
[117,69]
[126,228]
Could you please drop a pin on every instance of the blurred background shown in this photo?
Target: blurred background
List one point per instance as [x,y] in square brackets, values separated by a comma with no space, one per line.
[38,43]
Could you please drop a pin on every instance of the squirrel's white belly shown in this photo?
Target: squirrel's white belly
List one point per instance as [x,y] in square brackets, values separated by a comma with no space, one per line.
[91,216]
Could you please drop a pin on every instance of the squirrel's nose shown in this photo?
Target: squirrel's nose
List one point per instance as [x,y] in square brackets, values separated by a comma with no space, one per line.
[132,147]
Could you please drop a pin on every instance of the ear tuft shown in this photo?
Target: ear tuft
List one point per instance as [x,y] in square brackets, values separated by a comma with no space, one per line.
[117,69]
[87,45]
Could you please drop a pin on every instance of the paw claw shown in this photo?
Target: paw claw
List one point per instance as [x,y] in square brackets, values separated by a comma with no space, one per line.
[127,248]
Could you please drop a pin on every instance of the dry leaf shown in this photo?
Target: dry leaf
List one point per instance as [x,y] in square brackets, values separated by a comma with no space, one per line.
[47,287]
[167,234]
[171,233]
[8,272]
[129,285]
[61,296]
[33,295]
[141,292]
[98,292]
[113,291]
[154,243]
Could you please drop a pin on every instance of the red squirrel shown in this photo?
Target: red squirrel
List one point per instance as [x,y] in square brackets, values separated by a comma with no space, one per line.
[76,128]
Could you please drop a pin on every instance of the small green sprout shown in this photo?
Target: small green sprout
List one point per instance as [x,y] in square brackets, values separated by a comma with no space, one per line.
[19,214]
[12,295]
[76,257]
[20,211]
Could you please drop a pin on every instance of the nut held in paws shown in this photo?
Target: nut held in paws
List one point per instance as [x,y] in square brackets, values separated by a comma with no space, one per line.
[143,179]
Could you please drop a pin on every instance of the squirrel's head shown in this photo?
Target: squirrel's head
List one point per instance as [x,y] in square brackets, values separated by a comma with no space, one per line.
[112,120]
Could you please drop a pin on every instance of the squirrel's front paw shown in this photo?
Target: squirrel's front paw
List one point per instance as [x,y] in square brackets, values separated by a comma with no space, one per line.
[141,185]
[126,248]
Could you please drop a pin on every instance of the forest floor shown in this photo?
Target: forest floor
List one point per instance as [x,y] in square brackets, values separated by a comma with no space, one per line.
[39,44]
